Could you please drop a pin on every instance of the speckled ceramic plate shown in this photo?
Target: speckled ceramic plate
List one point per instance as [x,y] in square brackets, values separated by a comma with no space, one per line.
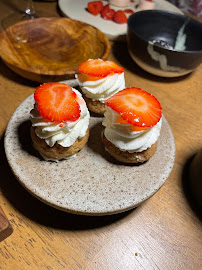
[76,10]
[92,182]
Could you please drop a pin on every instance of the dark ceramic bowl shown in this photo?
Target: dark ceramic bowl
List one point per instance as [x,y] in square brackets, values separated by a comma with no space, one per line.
[164,43]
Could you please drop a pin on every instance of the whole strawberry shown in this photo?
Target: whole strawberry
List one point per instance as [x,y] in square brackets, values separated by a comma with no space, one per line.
[120,17]
[107,13]
[95,7]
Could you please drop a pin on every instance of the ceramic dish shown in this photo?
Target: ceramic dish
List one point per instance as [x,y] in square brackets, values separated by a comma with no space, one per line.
[77,10]
[51,49]
[164,43]
[92,182]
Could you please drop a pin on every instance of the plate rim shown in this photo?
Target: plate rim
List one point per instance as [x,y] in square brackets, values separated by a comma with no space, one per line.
[122,34]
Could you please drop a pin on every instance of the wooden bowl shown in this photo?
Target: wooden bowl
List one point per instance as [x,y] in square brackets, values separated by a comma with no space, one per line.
[51,49]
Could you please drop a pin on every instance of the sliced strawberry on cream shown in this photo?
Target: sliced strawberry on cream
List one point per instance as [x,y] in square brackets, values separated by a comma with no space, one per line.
[120,121]
[60,114]
[99,68]
[132,120]
[84,78]
[57,102]
[99,79]
[137,107]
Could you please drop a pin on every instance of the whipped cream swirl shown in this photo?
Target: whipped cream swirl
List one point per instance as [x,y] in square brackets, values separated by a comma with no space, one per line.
[65,133]
[125,138]
[104,88]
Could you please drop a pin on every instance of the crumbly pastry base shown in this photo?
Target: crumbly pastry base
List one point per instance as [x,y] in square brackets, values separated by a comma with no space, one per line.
[125,156]
[57,152]
[95,105]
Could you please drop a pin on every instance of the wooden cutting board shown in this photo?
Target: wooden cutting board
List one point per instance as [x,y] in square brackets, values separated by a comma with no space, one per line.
[5,226]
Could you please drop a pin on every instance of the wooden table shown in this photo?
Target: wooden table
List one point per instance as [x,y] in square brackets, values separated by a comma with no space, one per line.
[162,233]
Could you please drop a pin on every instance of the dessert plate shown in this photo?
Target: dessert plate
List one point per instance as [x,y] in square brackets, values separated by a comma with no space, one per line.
[91,182]
[76,9]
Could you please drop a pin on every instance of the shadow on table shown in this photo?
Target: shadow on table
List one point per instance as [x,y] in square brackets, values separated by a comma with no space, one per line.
[37,211]
[120,51]
[188,191]
[9,74]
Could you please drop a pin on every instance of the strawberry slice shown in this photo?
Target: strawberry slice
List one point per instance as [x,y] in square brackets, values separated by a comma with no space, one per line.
[136,106]
[128,11]
[57,102]
[95,7]
[107,13]
[84,78]
[99,68]
[120,17]
[119,120]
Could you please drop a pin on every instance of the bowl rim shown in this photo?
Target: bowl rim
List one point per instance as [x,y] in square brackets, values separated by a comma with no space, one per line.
[166,13]
[59,72]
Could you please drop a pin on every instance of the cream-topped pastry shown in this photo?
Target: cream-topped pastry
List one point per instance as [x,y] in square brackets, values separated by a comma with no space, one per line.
[60,121]
[103,88]
[65,133]
[133,120]
[98,81]
[124,135]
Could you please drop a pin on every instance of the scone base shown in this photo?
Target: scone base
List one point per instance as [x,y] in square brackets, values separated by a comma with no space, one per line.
[57,152]
[127,157]
[95,105]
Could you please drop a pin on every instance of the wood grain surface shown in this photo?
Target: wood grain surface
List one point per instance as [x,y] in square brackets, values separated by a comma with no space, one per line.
[5,227]
[51,48]
[163,233]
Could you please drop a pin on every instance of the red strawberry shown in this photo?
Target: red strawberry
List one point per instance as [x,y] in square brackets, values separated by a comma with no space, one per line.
[99,68]
[128,11]
[57,102]
[107,13]
[137,107]
[95,7]
[120,17]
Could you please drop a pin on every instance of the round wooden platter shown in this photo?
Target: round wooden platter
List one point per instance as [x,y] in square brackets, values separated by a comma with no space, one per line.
[51,49]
